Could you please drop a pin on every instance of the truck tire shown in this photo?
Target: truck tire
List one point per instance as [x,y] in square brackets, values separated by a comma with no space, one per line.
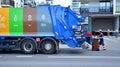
[48,46]
[28,46]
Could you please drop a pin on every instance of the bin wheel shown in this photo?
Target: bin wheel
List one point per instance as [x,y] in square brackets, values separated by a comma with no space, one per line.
[48,46]
[28,46]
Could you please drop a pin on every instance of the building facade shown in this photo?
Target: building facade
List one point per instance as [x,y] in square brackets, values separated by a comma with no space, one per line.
[75,5]
[49,2]
[11,3]
[103,14]
[78,7]
[5,2]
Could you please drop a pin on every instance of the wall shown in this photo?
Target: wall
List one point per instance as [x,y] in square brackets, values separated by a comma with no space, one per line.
[117,23]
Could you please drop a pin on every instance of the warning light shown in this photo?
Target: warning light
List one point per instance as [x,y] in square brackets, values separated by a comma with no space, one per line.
[37,39]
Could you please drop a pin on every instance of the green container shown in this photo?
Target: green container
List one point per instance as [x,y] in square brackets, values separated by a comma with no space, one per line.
[16,21]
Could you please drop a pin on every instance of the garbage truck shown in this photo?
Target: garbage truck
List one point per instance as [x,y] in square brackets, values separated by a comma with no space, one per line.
[42,28]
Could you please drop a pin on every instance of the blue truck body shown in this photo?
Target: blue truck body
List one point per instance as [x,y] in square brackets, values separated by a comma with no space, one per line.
[54,23]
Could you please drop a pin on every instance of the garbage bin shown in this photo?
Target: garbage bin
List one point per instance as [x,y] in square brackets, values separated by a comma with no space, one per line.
[95,44]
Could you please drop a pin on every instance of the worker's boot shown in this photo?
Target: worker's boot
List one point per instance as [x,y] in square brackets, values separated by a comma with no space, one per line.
[104,47]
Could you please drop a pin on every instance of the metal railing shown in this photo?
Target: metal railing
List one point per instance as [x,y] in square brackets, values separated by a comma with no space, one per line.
[100,10]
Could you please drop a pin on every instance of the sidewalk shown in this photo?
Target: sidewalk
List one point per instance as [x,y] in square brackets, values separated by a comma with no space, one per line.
[111,42]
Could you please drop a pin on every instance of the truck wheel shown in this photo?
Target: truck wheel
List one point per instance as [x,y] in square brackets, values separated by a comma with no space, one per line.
[28,46]
[48,46]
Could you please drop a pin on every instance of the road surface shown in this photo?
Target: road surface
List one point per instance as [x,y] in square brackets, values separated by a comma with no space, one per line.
[67,57]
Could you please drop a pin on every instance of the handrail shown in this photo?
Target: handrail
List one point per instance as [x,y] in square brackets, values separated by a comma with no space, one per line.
[100,10]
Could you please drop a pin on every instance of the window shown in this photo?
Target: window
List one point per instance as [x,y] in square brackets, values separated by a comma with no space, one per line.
[76,0]
[105,6]
[76,5]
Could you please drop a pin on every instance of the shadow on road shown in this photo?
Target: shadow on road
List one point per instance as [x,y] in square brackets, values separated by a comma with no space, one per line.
[67,51]
[71,51]
[10,52]
[61,51]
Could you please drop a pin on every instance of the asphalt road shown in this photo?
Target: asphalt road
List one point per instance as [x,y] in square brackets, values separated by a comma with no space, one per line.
[67,57]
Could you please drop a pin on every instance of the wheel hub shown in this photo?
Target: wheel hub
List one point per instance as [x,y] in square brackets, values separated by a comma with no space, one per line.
[28,47]
[48,46]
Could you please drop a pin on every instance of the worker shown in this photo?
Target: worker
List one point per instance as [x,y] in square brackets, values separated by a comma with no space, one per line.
[88,35]
[101,38]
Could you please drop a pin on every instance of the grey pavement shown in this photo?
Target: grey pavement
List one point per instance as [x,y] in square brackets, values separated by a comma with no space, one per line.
[67,57]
